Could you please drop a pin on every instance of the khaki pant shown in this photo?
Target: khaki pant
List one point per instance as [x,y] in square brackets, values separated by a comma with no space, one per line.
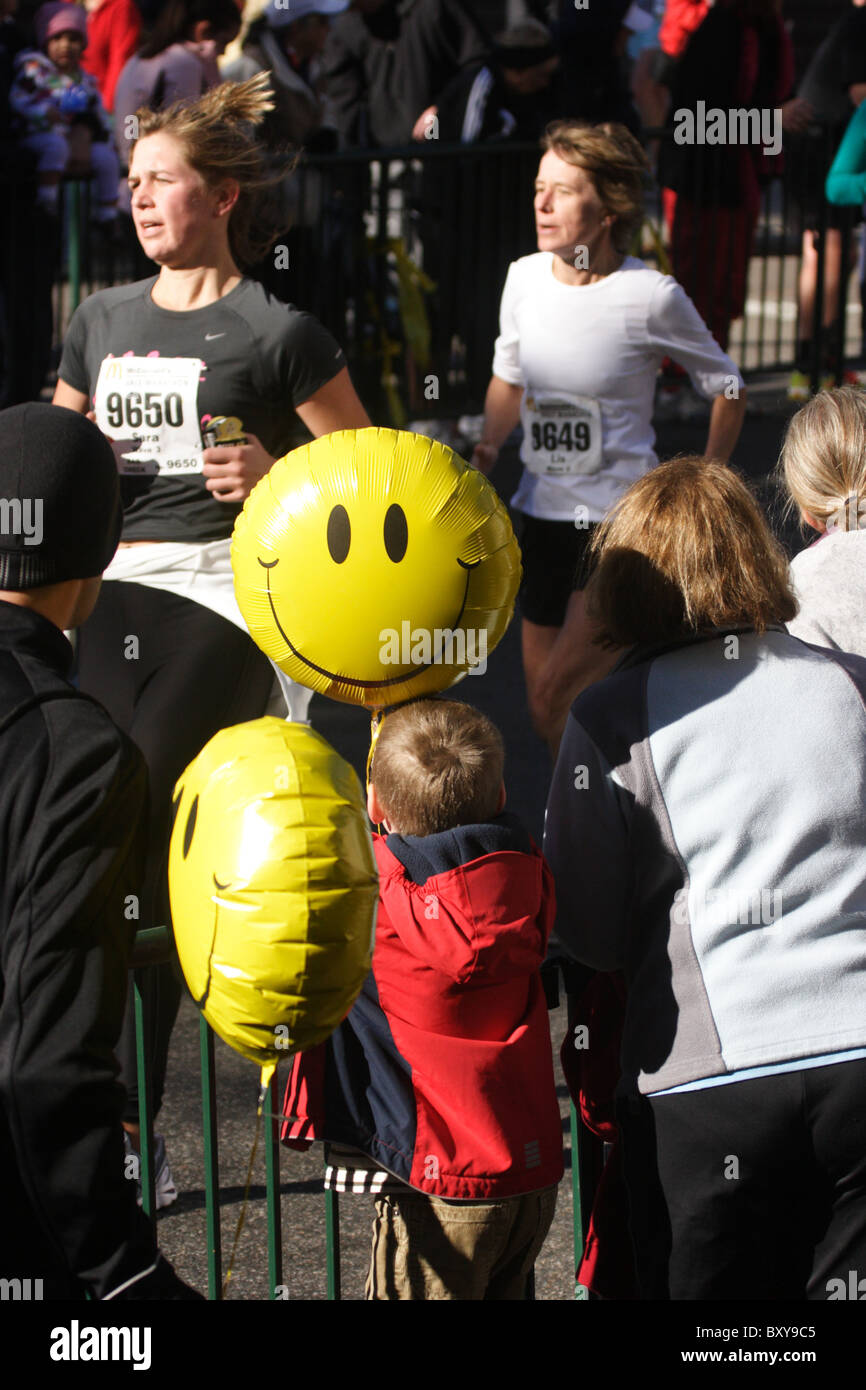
[425,1247]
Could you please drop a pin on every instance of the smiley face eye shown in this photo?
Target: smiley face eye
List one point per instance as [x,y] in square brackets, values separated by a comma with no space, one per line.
[339,534]
[190,826]
[396,533]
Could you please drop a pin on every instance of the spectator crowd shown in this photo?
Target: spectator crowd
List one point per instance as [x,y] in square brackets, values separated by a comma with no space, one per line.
[702,881]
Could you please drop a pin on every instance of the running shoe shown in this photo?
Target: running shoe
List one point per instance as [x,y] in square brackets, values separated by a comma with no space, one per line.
[164,1186]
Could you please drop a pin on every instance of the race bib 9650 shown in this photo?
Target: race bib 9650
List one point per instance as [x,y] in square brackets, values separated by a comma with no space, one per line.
[148,408]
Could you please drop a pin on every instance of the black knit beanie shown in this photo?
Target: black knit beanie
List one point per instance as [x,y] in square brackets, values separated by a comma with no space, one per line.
[60,512]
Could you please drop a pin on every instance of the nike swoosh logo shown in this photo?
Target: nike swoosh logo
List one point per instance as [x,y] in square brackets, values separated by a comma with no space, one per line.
[208,337]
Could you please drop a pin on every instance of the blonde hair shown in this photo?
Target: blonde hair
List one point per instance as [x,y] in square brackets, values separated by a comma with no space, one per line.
[437,764]
[217,132]
[616,165]
[686,549]
[823,458]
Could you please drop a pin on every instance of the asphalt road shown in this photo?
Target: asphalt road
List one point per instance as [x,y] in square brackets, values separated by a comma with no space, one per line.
[500,693]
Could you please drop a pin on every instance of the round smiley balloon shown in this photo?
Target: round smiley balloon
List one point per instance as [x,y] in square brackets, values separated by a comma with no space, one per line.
[273,887]
[375,566]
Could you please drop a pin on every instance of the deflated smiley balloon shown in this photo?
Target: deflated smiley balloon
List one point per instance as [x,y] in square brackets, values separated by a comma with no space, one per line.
[273,887]
[375,566]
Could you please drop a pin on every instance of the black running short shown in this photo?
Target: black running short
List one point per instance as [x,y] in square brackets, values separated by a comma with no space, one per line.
[555,563]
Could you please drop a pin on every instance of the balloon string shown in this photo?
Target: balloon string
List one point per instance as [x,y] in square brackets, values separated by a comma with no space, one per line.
[377,718]
[263,1091]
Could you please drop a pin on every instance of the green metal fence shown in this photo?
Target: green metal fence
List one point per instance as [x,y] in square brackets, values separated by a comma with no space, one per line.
[153,946]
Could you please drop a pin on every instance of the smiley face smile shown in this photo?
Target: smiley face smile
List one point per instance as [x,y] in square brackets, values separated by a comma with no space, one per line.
[268,565]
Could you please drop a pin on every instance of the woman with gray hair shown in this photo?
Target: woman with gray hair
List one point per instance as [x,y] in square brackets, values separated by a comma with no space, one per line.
[823,465]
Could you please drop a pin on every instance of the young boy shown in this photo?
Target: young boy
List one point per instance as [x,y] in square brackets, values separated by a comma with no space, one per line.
[437,1093]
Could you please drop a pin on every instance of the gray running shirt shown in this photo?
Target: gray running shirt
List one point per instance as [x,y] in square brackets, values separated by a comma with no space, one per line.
[262,358]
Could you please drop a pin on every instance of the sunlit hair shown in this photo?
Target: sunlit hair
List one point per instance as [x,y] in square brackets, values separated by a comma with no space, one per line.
[823,458]
[437,764]
[615,164]
[217,132]
[686,549]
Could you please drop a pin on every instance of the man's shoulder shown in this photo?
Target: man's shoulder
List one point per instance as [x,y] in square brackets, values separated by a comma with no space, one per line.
[32,689]
[57,741]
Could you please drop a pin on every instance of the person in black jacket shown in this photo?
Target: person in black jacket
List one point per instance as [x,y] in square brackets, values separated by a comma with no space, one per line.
[511,97]
[386,60]
[72,821]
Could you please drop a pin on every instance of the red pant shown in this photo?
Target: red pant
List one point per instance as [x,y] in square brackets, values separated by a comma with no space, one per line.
[710,249]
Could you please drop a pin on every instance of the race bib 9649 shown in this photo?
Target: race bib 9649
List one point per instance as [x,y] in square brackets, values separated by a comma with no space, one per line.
[562,434]
[148,408]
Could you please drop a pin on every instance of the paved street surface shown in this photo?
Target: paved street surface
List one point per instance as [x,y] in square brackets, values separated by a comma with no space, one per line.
[182,1227]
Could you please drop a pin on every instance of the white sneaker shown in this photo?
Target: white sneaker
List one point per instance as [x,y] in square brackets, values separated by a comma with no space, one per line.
[164,1188]
[471,428]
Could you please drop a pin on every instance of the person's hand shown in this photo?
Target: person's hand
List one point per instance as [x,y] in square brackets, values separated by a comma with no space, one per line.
[232,470]
[484,456]
[797,115]
[424,123]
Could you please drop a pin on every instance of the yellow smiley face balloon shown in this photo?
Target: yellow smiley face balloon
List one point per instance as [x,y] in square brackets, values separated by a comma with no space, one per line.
[273,887]
[375,566]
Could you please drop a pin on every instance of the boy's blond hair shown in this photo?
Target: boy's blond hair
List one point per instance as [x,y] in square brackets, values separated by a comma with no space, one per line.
[437,764]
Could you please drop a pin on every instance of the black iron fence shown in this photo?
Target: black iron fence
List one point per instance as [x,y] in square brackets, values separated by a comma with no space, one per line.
[403,255]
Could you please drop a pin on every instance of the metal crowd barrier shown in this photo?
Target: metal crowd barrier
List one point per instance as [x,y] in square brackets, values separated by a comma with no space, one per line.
[403,253]
[154,946]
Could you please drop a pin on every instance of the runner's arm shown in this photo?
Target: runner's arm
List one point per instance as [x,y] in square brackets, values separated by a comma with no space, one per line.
[68,396]
[501,414]
[335,406]
[726,421]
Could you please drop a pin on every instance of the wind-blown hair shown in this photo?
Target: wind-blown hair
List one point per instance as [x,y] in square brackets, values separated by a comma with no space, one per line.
[218,135]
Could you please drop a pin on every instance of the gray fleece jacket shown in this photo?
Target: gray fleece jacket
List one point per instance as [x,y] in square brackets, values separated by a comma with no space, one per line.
[707,835]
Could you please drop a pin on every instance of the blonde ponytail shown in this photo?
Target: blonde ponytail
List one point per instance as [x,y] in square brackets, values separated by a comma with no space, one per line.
[248,101]
[823,458]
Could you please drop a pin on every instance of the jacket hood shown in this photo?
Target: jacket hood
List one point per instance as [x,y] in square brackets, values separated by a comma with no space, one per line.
[475,903]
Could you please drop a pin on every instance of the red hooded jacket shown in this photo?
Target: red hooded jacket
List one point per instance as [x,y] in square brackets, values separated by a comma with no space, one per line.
[443,1072]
